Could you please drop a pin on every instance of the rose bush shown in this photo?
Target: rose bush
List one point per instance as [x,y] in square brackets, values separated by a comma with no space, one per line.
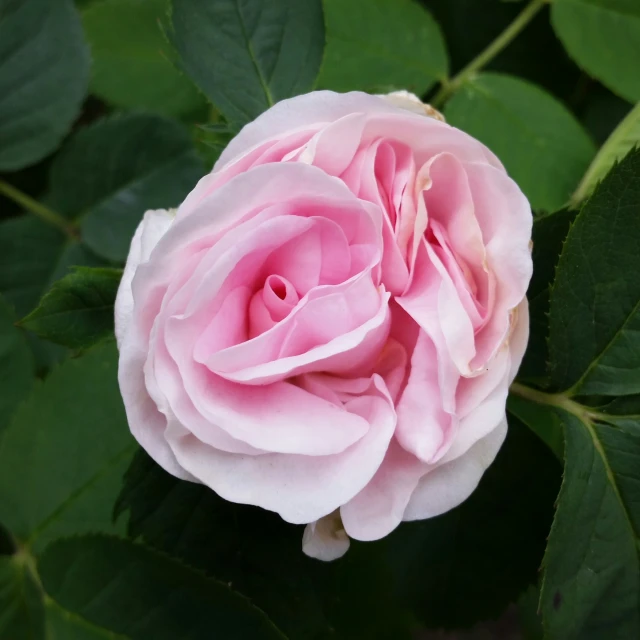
[328,325]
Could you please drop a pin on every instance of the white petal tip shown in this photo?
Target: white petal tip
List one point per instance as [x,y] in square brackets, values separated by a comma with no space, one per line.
[410,102]
[326,538]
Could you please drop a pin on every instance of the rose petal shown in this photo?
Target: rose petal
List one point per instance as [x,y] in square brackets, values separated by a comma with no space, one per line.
[301,488]
[505,218]
[379,508]
[432,301]
[425,427]
[448,485]
[301,111]
[333,329]
[152,227]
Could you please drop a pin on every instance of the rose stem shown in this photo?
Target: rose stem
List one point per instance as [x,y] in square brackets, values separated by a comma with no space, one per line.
[483,58]
[38,209]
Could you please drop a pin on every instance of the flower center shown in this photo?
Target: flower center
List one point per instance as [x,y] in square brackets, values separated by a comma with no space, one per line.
[271,304]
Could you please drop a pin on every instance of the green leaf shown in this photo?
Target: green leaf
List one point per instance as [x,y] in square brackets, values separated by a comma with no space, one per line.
[246,56]
[543,147]
[63,455]
[468,564]
[529,619]
[378,45]
[44,69]
[603,37]
[535,54]
[78,310]
[131,65]
[541,419]
[261,555]
[602,112]
[591,584]
[594,339]
[33,255]
[134,591]
[21,606]
[110,173]
[64,625]
[625,136]
[549,233]
[623,411]
[16,365]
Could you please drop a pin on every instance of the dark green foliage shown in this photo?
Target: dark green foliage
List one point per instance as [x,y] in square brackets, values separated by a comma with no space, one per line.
[130,590]
[443,566]
[109,174]
[591,583]
[547,160]
[63,455]
[594,340]
[549,233]
[16,365]
[97,542]
[41,50]
[78,310]
[410,52]
[246,56]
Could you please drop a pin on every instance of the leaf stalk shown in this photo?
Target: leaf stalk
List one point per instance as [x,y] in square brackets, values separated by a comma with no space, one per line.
[38,209]
[484,57]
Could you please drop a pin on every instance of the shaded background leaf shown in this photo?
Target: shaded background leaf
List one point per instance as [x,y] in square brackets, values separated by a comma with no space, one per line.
[109,174]
[21,605]
[41,50]
[548,236]
[468,564]
[245,55]
[603,37]
[535,55]
[133,591]
[625,137]
[594,339]
[543,147]
[33,255]
[131,64]
[17,368]
[380,45]
[78,310]
[63,455]
[591,582]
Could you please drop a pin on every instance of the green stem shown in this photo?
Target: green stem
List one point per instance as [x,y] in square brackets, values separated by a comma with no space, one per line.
[484,57]
[618,136]
[559,400]
[38,209]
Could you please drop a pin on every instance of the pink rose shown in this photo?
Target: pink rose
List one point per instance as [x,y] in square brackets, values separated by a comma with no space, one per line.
[328,326]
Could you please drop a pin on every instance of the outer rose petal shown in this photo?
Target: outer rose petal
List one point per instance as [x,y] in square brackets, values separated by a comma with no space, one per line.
[448,485]
[141,410]
[146,422]
[300,488]
[301,111]
[379,508]
[152,227]
[519,337]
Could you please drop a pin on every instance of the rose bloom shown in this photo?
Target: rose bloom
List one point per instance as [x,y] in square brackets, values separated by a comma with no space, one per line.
[328,325]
